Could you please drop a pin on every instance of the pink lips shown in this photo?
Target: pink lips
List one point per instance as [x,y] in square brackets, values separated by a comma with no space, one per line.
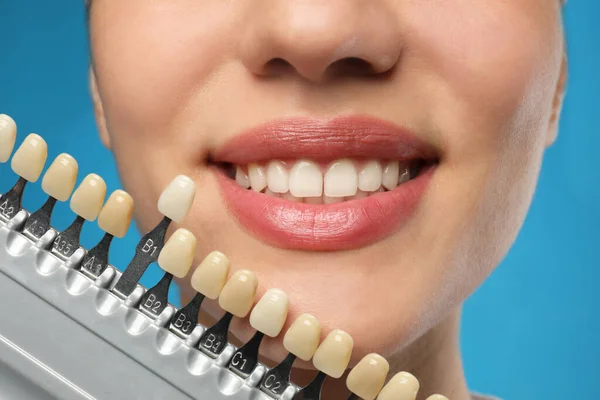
[337,226]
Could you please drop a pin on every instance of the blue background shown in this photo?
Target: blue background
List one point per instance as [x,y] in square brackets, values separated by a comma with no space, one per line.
[531,332]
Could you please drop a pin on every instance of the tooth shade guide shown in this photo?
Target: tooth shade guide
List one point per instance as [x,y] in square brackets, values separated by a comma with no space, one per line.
[156,299]
[210,276]
[88,198]
[95,261]
[59,180]
[38,223]
[67,242]
[8,137]
[214,340]
[245,359]
[402,386]
[186,318]
[312,391]
[11,201]
[178,253]
[29,159]
[115,217]
[277,379]
[366,379]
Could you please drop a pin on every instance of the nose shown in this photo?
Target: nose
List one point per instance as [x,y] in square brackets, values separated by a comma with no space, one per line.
[318,39]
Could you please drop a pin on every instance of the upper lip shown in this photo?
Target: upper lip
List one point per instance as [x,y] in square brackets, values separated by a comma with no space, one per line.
[325,140]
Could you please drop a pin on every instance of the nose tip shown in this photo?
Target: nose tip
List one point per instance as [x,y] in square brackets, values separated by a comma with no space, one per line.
[320,39]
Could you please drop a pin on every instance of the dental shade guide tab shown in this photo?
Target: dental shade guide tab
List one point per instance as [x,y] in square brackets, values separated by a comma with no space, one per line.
[8,136]
[313,390]
[214,340]
[176,260]
[301,341]
[268,317]
[10,203]
[114,219]
[186,318]
[174,203]
[402,386]
[366,379]
[58,184]
[67,242]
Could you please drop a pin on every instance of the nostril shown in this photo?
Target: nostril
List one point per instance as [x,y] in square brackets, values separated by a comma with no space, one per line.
[277,67]
[351,66]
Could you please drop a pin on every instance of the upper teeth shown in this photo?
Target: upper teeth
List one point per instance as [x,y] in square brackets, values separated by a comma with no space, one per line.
[305,179]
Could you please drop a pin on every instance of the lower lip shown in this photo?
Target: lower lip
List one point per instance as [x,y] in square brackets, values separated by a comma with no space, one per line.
[339,226]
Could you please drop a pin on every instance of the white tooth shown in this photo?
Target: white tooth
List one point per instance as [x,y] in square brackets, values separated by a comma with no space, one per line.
[341,179]
[30,157]
[390,175]
[178,253]
[291,197]
[314,200]
[278,177]
[241,178]
[359,195]
[115,216]
[88,198]
[59,179]
[331,200]
[8,136]
[176,200]
[258,178]
[370,176]
[403,174]
[271,193]
[306,179]
[211,275]
[269,314]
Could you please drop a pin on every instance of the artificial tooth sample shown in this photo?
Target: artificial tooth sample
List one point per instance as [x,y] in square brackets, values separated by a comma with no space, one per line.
[178,253]
[238,293]
[278,177]
[8,136]
[437,397]
[258,177]
[403,174]
[269,314]
[390,175]
[176,200]
[306,179]
[333,355]
[29,159]
[341,179]
[59,180]
[302,338]
[241,178]
[370,176]
[115,216]
[211,275]
[402,386]
[368,376]
[89,196]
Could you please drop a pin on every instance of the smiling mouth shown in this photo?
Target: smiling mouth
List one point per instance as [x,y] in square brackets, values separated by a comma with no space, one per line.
[324,185]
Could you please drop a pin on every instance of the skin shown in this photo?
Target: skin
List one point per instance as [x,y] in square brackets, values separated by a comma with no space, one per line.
[483,81]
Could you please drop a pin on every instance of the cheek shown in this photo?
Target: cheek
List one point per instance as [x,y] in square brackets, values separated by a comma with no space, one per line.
[150,58]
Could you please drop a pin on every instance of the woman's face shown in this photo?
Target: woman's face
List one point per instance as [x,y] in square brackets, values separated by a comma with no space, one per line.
[466,89]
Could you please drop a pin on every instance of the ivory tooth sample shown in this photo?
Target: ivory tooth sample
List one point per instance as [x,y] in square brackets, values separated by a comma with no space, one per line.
[402,386]
[268,318]
[368,376]
[437,397]
[58,183]
[207,280]
[114,219]
[175,259]
[174,203]
[86,202]
[331,358]
[301,340]
[236,298]
[8,136]
[28,162]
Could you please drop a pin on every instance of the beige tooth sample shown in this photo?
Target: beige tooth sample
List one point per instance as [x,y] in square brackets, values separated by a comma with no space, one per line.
[402,386]
[258,177]
[269,314]
[370,176]
[8,136]
[368,376]
[178,253]
[390,175]
[341,179]
[437,397]
[29,159]
[333,355]
[211,275]
[237,297]
[115,216]
[302,338]
[241,178]
[278,177]
[306,179]
[176,200]
[59,180]
[89,196]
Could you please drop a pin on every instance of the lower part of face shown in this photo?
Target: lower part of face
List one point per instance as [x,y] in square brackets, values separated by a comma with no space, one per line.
[474,80]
